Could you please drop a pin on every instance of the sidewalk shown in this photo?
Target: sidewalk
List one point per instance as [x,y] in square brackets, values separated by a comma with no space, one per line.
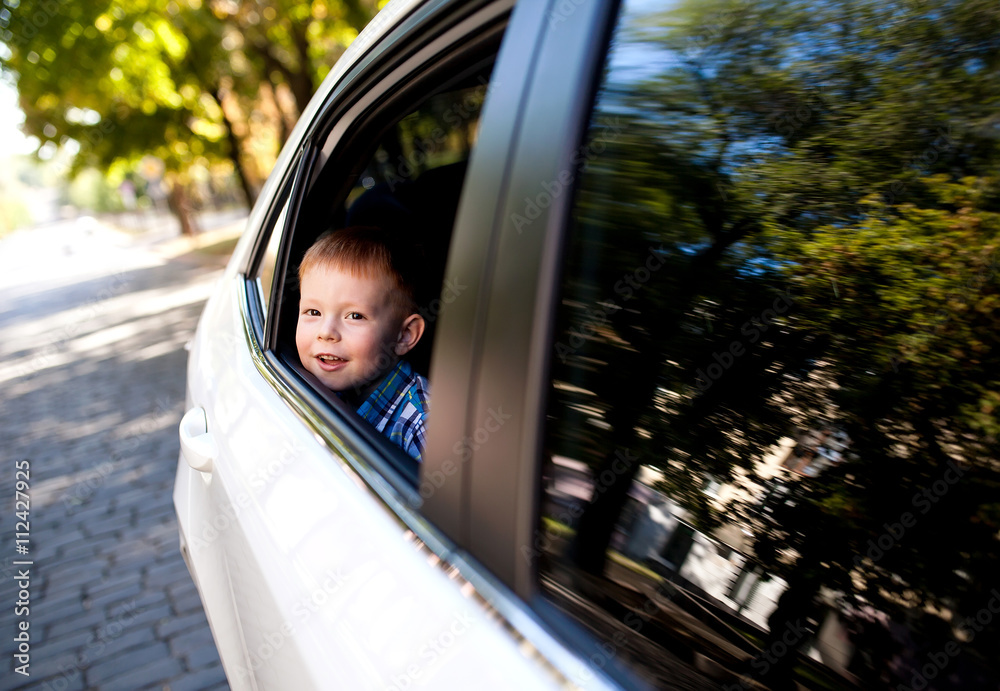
[92,331]
[160,232]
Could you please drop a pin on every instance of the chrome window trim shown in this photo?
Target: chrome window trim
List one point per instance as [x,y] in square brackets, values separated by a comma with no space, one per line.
[268,209]
[260,287]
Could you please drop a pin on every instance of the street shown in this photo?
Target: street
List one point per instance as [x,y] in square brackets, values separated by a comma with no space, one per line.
[94,592]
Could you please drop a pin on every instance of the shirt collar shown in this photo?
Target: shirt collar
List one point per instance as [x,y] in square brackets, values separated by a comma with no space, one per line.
[379,403]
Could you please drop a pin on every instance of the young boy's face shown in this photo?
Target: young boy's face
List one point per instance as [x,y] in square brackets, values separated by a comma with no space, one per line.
[350,331]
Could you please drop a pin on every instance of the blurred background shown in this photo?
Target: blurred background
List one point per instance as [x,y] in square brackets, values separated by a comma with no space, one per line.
[140,110]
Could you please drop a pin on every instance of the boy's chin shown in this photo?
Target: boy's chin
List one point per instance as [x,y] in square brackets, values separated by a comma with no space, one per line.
[336,385]
[353,391]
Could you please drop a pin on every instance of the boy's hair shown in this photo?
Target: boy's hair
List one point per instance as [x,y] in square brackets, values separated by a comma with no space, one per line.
[369,252]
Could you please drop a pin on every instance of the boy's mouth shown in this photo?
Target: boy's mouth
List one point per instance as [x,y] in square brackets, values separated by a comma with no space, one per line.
[329,363]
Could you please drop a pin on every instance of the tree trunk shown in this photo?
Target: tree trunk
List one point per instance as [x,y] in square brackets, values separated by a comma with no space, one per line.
[234,150]
[301,81]
[298,81]
[588,550]
[234,156]
[614,476]
[788,629]
[633,383]
[179,205]
[271,92]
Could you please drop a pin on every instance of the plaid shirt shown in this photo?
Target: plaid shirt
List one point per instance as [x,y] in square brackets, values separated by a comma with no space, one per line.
[398,408]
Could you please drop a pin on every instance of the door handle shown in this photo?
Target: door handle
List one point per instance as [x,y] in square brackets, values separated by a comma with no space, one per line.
[197,444]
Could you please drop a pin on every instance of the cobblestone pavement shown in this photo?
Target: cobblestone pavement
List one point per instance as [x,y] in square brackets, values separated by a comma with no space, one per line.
[92,362]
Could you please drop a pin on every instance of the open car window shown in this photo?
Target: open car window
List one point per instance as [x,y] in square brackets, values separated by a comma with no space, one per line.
[411,186]
[395,158]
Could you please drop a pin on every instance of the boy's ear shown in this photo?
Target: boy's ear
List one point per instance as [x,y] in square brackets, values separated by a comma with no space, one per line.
[409,334]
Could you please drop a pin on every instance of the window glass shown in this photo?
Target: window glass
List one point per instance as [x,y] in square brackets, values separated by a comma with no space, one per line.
[771,442]
[265,274]
[440,133]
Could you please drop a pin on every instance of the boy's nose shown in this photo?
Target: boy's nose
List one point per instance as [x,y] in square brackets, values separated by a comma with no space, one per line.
[328,332]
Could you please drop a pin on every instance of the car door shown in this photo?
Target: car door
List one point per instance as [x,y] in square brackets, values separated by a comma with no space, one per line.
[324,560]
[728,462]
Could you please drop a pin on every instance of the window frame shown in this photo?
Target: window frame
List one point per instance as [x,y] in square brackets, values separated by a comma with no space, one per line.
[389,75]
[272,208]
[524,290]
[260,309]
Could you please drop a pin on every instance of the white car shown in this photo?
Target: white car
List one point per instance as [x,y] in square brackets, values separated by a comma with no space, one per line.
[319,562]
[654,365]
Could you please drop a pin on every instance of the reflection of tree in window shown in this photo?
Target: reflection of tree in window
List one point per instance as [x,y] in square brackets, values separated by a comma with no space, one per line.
[440,133]
[831,153]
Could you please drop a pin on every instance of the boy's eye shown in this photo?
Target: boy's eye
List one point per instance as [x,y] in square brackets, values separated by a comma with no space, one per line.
[355,315]
[311,312]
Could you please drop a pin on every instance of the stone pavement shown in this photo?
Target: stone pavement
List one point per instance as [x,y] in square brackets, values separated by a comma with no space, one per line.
[92,363]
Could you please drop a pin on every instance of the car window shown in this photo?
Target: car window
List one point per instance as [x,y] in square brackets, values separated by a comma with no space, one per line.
[770,451]
[264,263]
[397,165]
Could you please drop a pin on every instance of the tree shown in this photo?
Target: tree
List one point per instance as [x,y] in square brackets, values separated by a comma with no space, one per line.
[295,43]
[190,82]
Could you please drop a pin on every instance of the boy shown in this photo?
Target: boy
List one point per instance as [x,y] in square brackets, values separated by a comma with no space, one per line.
[357,319]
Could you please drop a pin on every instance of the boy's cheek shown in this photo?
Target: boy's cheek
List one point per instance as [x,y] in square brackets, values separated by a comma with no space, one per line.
[302,345]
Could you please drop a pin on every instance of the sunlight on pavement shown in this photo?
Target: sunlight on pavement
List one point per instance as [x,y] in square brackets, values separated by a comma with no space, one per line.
[106,324]
[93,323]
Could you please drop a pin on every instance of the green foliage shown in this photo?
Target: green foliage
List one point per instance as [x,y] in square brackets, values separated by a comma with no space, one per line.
[13,213]
[179,79]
